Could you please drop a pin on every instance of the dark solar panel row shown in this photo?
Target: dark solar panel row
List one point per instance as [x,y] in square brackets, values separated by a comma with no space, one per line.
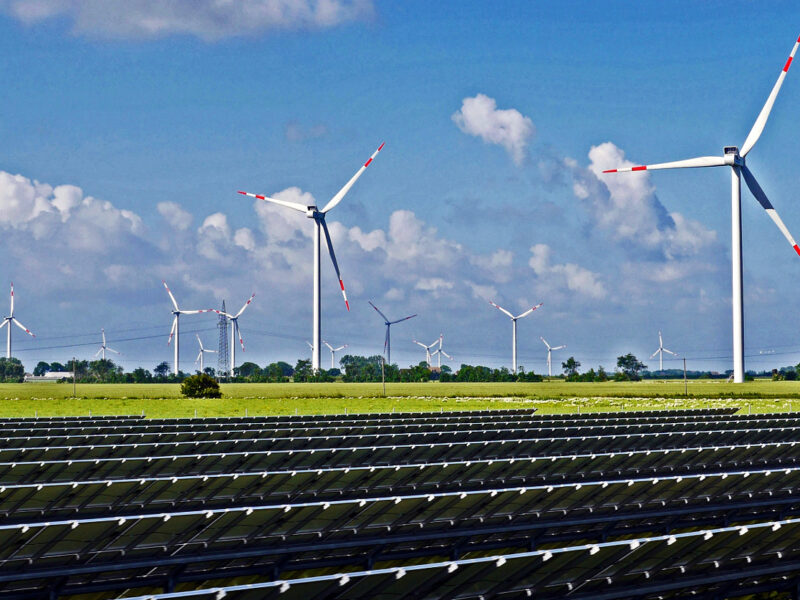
[349,533]
[709,563]
[241,455]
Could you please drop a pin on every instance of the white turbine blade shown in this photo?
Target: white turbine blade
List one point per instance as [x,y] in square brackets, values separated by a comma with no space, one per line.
[500,308]
[438,340]
[333,259]
[340,194]
[559,347]
[196,312]
[761,120]
[385,318]
[246,304]
[21,326]
[219,312]
[545,343]
[660,342]
[310,345]
[403,319]
[199,356]
[171,297]
[286,203]
[340,348]
[328,345]
[701,161]
[114,351]
[172,331]
[653,355]
[530,310]
[96,354]
[199,341]
[241,339]
[756,190]
[103,333]
[12,300]
[206,350]
[5,322]
[420,344]
[446,354]
[669,352]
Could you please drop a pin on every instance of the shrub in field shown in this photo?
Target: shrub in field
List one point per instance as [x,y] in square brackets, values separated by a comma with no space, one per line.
[200,386]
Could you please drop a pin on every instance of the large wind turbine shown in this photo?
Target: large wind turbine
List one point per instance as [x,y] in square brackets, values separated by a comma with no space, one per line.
[550,350]
[175,331]
[104,347]
[660,353]
[235,333]
[428,347]
[438,353]
[312,212]
[7,322]
[387,344]
[333,352]
[514,330]
[201,354]
[735,159]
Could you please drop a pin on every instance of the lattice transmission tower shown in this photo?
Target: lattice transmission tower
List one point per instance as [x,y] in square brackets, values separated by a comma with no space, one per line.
[223,366]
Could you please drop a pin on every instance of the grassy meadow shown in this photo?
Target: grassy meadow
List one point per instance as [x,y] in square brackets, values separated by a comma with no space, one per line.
[164,400]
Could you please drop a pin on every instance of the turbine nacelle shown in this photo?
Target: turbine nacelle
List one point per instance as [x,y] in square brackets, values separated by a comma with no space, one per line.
[732,157]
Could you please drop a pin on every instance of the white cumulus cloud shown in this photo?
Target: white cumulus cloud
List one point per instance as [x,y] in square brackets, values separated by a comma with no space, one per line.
[574,277]
[509,128]
[175,215]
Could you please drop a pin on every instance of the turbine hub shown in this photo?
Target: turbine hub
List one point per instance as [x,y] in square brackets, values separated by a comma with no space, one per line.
[732,157]
[312,212]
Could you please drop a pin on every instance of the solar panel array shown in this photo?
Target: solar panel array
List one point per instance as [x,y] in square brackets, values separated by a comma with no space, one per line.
[500,504]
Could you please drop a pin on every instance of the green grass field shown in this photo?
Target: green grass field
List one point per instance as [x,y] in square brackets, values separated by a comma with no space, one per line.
[164,400]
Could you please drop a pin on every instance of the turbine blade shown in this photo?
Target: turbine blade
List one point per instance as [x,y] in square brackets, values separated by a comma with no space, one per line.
[340,348]
[446,354]
[21,326]
[328,345]
[12,299]
[530,310]
[199,341]
[653,355]
[241,339]
[403,319]
[5,322]
[103,333]
[420,344]
[669,352]
[756,190]
[219,312]
[340,194]
[286,203]
[171,297]
[114,351]
[199,356]
[500,308]
[660,342]
[701,161]
[386,339]
[96,354]
[333,258]
[246,304]
[172,331]
[559,347]
[385,318]
[196,312]
[545,343]
[761,120]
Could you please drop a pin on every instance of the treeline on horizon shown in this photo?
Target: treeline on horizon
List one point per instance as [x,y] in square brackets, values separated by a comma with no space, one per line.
[356,369]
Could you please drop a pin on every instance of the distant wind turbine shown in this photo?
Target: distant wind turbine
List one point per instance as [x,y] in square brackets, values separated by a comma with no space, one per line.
[235,332]
[333,352]
[104,347]
[439,352]
[387,344]
[735,159]
[312,212]
[660,353]
[428,349]
[201,354]
[175,331]
[514,330]
[7,322]
[550,350]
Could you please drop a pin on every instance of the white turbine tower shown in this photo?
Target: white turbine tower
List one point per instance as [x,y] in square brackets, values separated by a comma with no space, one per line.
[660,353]
[235,332]
[201,354]
[104,347]
[175,331]
[514,330]
[428,349]
[550,350]
[735,159]
[7,322]
[333,352]
[387,343]
[312,212]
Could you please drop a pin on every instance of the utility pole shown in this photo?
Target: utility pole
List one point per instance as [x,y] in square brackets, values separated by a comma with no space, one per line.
[74,370]
[383,375]
[685,384]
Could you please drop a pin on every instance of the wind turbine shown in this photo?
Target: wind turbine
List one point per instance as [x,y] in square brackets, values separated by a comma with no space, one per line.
[235,333]
[387,344]
[514,330]
[175,331]
[438,353]
[7,322]
[201,354]
[428,348]
[735,159]
[312,212]
[104,347]
[550,350]
[333,352]
[660,353]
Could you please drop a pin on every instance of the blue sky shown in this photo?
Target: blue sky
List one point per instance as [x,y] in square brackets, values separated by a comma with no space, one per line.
[127,128]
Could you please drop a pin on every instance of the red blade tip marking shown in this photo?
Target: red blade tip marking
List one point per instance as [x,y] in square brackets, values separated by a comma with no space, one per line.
[242,193]
[788,64]
[610,171]
[366,164]
[643,168]
[381,146]
[796,248]
[347,304]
